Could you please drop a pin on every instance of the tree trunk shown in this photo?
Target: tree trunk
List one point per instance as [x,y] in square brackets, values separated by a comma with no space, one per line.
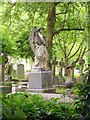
[88,25]
[49,33]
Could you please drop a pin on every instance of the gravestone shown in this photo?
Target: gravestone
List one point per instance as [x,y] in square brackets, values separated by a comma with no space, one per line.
[20,71]
[0,72]
[61,66]
[80,78]
[68,72]
[41,81]
[54,63]
[10,68]
[14,88]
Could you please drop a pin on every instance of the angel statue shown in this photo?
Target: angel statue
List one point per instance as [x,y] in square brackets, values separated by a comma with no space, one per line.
[38,46]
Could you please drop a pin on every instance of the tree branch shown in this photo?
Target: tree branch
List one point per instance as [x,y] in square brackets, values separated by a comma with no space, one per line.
[65,50]
[56,3]
[78,56]
[83,52]
[77,49]
[13,4]
[61,13]
[68,29]
[87,50]
[72,47]
[61,47]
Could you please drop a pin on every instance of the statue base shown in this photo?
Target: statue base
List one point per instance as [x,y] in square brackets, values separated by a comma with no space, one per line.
[49,90]
[41,81]
[35,69]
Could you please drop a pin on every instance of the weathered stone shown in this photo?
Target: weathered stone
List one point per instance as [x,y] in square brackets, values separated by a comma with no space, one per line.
[14,88]
[69,83]
[0,72]
[48,90]
[40,81]
[20,71]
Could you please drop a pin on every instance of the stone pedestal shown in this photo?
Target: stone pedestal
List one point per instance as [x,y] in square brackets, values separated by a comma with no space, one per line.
[40,81]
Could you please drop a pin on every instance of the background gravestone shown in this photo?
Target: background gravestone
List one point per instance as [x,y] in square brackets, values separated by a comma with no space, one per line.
[0,72]
[20,71]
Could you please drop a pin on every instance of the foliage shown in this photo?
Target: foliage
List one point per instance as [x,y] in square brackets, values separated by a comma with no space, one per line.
[61,90]
[82,104]
[25,106]
[9,83]
[18,18]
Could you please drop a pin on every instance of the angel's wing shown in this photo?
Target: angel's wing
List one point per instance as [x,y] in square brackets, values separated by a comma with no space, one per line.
[32,38]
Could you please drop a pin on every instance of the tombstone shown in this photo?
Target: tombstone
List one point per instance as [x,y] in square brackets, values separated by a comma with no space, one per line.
[68,72]
[80,78]
[4,62]
[14,74]
[81,62]
[9,69]
[61,67]
[2,77]
[14,88]
[72,69]
[54,63]
[0,72]
[41,81]
[20,71]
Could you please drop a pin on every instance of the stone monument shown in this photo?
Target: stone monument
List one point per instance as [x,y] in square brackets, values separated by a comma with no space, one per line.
[40,79]
[20,71]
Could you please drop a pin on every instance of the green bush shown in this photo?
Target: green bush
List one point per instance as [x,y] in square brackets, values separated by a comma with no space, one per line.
[25,106]
[82,104]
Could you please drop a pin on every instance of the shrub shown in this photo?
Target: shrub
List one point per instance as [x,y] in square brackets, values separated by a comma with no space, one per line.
[82,104]
[25,106]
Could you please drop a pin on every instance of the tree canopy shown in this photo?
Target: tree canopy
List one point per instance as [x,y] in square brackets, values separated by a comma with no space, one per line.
[65,30]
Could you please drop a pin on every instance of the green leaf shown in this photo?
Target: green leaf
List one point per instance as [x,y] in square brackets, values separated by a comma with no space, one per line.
[19,114]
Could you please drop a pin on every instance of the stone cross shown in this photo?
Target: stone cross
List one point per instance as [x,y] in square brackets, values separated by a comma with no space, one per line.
[61,67]
[72,69]
[81,62]
[54,63]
